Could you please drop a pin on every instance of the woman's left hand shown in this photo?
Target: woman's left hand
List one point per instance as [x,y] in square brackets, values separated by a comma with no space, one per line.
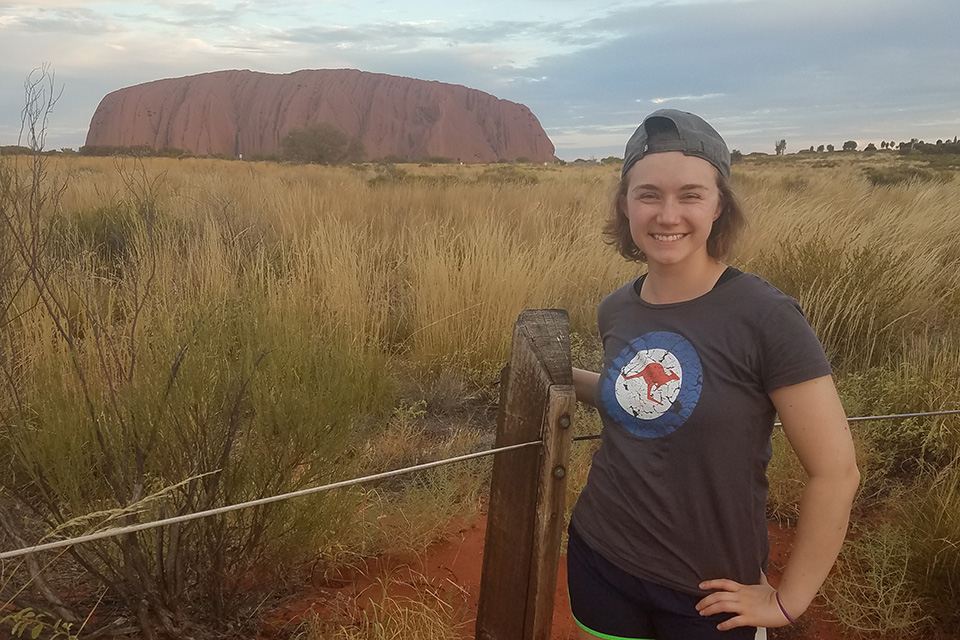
[753,605]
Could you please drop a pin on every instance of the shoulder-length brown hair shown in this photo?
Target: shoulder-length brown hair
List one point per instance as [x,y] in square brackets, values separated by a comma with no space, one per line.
[723,236]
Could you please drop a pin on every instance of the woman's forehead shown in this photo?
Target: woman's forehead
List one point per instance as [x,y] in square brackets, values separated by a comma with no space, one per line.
[672,167]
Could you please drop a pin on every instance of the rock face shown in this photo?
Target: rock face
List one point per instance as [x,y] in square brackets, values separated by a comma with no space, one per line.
[249,113]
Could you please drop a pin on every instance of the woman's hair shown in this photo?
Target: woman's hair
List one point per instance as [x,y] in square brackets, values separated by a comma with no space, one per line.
[723,236]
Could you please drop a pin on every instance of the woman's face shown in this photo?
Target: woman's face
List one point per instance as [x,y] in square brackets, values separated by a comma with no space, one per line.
[671,202]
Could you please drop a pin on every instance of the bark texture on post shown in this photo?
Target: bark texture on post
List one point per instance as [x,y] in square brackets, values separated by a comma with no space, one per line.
[528,489]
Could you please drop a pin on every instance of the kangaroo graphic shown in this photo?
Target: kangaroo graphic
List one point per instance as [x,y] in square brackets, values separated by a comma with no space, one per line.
[655,376]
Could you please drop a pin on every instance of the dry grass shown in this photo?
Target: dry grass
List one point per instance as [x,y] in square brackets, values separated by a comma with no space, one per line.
[424,616]
[362,294]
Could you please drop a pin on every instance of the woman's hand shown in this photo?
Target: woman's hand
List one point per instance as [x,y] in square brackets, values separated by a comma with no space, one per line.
[753,605]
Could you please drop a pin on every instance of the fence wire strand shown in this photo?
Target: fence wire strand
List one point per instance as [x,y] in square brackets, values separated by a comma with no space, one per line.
[117,531]
[596,436]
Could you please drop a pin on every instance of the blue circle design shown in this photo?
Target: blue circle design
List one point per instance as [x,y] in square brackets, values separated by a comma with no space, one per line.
[690,385]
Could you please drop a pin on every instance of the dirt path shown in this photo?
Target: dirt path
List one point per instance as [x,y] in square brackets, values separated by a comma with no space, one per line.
[450,571]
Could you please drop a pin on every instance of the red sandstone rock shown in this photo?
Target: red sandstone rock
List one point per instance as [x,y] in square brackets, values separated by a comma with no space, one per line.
[249,113]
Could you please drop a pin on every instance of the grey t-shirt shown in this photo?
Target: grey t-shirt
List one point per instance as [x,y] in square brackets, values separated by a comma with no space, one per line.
[677,491]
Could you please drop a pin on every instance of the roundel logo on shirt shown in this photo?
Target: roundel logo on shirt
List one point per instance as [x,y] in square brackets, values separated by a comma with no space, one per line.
[653,385]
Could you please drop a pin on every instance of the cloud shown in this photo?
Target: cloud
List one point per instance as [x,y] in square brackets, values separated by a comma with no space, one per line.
[705,96]
[66,19]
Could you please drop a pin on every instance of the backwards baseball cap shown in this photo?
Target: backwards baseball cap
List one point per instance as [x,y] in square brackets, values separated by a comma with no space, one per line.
[673,130]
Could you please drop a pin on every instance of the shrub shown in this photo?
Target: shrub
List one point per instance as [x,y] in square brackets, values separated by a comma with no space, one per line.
[320,143]
[508,175]
[387,173]
[870,591]
[885,176]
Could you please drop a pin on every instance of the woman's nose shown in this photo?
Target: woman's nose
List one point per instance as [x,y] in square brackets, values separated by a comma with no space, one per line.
[669,211]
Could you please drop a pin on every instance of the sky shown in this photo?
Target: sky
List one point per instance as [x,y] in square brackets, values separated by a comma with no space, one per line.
[811,72]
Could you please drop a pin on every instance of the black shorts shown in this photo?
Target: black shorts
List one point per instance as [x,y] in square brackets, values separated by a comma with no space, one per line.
[611,603]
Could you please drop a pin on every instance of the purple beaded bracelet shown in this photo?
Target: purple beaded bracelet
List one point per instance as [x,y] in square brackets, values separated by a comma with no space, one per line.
[782,610]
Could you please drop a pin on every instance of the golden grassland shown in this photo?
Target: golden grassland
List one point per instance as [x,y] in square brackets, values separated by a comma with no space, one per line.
[251,328]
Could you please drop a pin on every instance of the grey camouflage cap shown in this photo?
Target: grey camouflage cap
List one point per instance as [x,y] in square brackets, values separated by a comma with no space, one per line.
[696,138]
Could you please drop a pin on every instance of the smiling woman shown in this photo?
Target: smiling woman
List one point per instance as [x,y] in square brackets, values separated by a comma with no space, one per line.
[668,539]
[672,202]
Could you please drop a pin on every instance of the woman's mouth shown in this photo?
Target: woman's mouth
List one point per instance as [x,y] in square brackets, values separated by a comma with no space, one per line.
[667,238]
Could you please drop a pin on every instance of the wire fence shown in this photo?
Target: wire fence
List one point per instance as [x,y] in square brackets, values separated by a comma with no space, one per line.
[596,436]
[117,531]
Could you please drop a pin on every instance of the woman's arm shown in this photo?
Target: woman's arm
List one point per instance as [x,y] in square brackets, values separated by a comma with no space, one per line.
[815,424]
[585,385]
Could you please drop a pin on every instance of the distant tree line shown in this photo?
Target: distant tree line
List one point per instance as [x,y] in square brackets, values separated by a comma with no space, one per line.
[19,150]
[942,146]
[137,151]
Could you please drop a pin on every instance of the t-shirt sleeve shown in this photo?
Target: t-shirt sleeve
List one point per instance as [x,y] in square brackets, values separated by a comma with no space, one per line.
[791,352]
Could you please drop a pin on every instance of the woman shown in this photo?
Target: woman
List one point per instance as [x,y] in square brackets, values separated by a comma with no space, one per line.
[668,539]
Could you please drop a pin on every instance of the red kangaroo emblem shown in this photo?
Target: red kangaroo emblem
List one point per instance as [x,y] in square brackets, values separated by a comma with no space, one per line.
[655,376]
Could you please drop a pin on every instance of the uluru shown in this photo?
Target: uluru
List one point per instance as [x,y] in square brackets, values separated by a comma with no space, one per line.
[247,113]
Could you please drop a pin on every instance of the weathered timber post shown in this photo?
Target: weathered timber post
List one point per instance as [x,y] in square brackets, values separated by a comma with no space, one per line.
[528,489]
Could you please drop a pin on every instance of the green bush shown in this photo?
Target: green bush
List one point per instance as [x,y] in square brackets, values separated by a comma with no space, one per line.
[387,173]
[884,176]
[507,175]
[320,143]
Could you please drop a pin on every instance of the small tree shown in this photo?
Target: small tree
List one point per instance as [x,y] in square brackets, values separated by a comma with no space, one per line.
[320,143]
[830,148]
[850,145]
[820,149]
[736,156]
[780,146]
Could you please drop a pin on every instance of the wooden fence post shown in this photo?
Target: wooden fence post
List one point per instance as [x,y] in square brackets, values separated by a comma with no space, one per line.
[528,488]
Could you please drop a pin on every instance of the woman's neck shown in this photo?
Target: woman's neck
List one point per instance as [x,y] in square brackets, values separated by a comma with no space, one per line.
[666,284]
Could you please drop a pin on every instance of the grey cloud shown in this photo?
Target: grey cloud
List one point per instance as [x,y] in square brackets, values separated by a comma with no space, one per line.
[194,14]
[63,20]
[402,36]
[562,33]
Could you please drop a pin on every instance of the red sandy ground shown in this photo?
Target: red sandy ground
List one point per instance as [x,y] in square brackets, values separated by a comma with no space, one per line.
[451,571]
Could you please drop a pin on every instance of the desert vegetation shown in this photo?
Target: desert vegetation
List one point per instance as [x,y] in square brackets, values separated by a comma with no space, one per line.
[186,334]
